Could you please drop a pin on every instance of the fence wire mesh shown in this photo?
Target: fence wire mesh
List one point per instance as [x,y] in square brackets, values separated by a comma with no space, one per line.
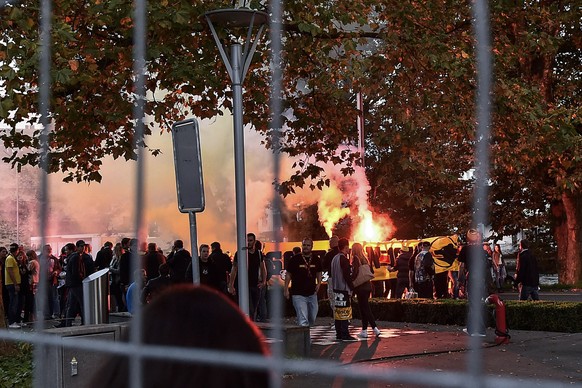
[277,364]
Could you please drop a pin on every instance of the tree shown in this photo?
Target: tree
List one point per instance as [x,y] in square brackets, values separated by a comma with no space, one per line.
[411,60]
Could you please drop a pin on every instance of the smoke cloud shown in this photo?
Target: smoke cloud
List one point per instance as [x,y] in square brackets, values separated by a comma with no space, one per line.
[108,208]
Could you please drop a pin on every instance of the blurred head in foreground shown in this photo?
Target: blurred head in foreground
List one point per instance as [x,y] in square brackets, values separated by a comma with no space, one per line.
[191,317]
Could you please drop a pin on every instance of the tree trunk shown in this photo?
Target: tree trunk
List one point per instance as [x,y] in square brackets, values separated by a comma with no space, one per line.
[568,220]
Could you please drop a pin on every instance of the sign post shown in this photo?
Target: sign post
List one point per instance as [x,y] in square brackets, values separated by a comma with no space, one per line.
[189,182]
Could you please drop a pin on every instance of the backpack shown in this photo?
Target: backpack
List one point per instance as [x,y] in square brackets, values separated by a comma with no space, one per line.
[422,272]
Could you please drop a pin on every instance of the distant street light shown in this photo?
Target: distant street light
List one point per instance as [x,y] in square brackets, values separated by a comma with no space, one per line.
[231,22]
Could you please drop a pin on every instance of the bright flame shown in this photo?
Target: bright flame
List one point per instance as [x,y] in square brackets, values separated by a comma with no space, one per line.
[354,190]
[371,230]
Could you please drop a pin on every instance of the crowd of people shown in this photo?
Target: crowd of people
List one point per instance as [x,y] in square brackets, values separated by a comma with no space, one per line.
[349,274]
[21,271]
[414,265]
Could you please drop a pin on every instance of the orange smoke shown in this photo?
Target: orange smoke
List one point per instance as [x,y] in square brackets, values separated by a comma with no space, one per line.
[353,190]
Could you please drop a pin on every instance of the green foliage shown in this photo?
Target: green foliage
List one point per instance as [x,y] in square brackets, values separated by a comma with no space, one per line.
[562,287]
[521,315]
[16,366]
[413,63]
[545,316]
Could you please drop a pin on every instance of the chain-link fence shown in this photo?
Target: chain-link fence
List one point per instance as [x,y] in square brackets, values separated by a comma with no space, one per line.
[277,363]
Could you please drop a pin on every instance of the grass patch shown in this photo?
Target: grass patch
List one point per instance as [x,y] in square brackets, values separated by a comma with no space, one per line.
[16,365]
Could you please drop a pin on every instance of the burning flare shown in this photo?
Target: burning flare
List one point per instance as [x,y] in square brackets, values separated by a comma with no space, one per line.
[354,191]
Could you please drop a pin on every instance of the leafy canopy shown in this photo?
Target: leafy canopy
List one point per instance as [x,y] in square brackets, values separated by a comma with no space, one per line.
[411,60]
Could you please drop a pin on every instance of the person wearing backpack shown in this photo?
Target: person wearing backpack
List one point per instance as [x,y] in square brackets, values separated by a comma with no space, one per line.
[421,271]
[79,266]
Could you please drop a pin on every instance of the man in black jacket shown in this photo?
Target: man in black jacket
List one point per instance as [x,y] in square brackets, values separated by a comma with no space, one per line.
[104,256]
[79,266]
[527,272]
[222,266]
[178,262]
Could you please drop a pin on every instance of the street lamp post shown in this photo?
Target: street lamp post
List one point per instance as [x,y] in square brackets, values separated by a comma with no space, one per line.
[232,21]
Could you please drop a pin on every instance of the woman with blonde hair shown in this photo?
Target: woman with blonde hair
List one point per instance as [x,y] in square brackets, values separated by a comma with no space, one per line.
[363,291]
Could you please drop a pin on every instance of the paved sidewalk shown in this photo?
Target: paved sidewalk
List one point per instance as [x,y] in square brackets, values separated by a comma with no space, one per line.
[534,356]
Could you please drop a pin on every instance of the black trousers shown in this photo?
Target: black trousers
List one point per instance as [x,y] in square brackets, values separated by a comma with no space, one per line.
[74,305]
[424,289]
[342,329]
[363,296]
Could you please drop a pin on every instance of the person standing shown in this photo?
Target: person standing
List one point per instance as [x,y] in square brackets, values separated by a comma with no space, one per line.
[12,274]
[341,282]
[223,266]
[467,255]
[527,273]
[139,278]
[25,294]
[421,271]
[206,270]
[256,270]
[402,279]
[125,263]
[304,274]
[104,256]
[152,260]
[326,268]
[477,285]
[115,282]
[79,266]
[5,297]
[262,314]
[154,287]
[178,261]
[362,291]
[53,269]
[33,280]
[499,266]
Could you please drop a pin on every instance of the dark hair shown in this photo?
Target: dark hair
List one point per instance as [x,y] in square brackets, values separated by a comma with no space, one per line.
[342,243]
[191,317]
[164,269]
[70,247]
[125,241]
[524,244]
[425,244]
[258,245]
[152,247]
[215,245]
[296,250]
[13,247]
[202,246]
[108,244]
[252,235]
[178,244]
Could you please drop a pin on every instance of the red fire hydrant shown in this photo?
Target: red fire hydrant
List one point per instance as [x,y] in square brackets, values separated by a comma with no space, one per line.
[501,331]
